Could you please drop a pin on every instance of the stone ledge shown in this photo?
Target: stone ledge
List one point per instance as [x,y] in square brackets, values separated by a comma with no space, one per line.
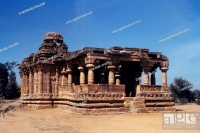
[160,109]
[156,104]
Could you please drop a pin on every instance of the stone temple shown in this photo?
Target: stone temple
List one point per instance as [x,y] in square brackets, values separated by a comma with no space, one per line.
[94,80]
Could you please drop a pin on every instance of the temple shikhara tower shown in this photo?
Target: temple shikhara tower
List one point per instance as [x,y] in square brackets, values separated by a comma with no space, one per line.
[94,80]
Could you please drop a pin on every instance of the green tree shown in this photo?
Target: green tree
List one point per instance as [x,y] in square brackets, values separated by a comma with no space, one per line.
[180,89]
[3,79]
[10,65]
[12,90]
[197,94]
[4,86]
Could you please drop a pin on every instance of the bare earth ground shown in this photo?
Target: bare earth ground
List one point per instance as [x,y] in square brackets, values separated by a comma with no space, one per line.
[26,120]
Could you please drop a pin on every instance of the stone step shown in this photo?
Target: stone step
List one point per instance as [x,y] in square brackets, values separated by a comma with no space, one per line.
[155,104]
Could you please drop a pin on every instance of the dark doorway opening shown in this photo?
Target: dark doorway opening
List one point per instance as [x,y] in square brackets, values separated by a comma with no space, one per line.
[128,77]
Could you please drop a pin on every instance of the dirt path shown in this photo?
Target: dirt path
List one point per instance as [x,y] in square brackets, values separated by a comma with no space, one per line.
[26,120]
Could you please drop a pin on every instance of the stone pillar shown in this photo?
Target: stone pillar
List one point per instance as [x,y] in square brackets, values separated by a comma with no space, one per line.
[27,84]
[64,79]
[31,83]
[48,82]
[90,73]
[146,75]
[117,76]
[57,82]
[40,90]
[164,76]
[69,71]
[35,82]
[153,79]
[111,77]
[22,86]
[64,76]
[82,75]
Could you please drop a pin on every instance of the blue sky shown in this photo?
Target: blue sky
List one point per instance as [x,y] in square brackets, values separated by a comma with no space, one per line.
[158,20]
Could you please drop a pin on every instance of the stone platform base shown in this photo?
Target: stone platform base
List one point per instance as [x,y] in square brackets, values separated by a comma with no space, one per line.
[154,110]
[103,105]
[89,106]
[39,106]
[85,111]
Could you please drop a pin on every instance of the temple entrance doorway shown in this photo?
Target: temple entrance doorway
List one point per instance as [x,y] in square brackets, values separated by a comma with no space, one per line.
[128,77]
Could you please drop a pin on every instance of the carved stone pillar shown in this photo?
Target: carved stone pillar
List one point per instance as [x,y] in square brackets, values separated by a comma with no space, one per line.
[27,84]
[35,81]
[64,76]
[40,89]
[82,75]
[64,79]
[69,71]
[146,75]
[57,82]
[164,75]
[117,76]
[111,76]
[31,83]
[90,73]
[48,82]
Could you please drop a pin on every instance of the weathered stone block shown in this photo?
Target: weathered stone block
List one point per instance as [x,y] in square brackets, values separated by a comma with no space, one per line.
[48,106]
[138,102]
[150,109]
[150,104]
[139,105]
[124,109]
[99,111]
[139,99]
[117,104]
[160,109]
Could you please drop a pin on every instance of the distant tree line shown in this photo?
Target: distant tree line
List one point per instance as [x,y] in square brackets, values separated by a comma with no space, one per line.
[181,91]
[9,88]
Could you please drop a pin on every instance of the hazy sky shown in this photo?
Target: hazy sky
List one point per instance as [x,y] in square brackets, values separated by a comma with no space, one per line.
[157,20]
